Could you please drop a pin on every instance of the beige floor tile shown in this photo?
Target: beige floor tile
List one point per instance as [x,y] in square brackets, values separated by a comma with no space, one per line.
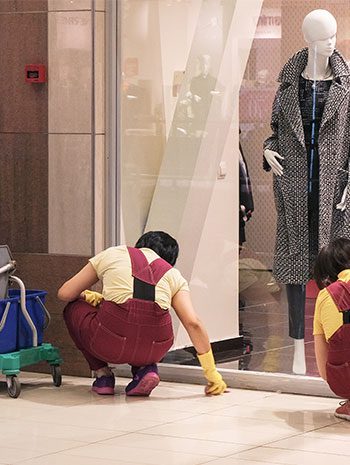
[288,457]
[229,429]
[37,431]
[176,425]
[234,461]
[151,457]
[61,458]
[10,455]
[11,409]
[233,396]
[339,431]
[193,400]
[35,443]
[298,401]
[63,396]
[113,414]
[291,416]
[40,390]
[194,404]
[242,396]
[126,408]
[189,446]
[321,445]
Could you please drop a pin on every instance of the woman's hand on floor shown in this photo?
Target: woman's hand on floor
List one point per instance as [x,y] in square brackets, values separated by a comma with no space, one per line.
[216,385]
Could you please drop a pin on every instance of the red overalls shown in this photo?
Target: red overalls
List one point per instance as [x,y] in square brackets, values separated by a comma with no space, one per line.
[138,332]
[338,362]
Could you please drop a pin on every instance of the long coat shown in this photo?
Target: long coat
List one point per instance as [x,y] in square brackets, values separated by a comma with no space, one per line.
[292,263]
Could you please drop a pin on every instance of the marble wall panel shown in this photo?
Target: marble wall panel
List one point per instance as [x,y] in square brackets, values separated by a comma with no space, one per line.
[70,63]
[70,191]
[16,6]
[23,106]
[23,192]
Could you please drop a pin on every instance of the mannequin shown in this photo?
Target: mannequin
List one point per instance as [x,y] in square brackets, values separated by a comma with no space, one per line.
[310,193]
[201,92]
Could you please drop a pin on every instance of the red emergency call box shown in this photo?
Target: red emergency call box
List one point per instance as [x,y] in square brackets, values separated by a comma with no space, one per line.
[35,73]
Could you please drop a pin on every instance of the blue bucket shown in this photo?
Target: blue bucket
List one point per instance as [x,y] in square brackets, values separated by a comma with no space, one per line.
[8,334]
[37,314]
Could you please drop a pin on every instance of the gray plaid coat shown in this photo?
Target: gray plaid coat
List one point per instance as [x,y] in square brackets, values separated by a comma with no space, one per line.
[292,264]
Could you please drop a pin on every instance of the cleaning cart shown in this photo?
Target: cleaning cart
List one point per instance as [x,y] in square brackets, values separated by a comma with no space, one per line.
[23,318]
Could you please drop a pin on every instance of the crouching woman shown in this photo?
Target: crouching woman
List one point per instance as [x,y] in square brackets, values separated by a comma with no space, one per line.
[130,321]
[332,320]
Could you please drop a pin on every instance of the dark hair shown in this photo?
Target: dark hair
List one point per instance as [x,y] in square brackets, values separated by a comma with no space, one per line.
[331,260]
[162,243]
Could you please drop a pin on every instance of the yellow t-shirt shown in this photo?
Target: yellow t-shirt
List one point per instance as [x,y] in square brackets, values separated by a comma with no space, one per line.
[327,318]
[113,268]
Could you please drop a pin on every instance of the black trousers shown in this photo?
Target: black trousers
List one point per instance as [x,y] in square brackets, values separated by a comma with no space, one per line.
[296,294]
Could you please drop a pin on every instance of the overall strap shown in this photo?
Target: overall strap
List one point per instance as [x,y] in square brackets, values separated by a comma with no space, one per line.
[140,266]
[159,268]
[146,275]
[340,293]
[346,317]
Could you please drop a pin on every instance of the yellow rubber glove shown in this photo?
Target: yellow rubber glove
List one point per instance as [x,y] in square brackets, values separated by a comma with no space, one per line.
[93,298]
[216,385]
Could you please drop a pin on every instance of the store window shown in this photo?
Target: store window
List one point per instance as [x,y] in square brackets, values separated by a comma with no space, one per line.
[198,80]
[178,139]
[277,330]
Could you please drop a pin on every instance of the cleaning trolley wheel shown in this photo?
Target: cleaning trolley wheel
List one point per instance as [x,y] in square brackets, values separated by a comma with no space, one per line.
[56,375]
[13,386]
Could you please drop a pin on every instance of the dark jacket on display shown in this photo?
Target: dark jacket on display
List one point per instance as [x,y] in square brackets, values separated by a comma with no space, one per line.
[292,264]
[245,196]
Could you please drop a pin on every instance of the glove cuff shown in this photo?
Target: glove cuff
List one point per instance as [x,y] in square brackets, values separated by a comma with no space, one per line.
[207,361]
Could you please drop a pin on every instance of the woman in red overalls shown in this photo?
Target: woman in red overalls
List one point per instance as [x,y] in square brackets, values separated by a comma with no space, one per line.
[130,322]
[332,320]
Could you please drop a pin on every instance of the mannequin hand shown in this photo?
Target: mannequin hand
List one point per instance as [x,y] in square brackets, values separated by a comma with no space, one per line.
[271,158]
[93,298]
[216,385]
[243,213]
[341,205]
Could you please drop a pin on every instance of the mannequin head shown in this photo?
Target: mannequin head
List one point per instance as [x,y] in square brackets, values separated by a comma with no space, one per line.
[320,29]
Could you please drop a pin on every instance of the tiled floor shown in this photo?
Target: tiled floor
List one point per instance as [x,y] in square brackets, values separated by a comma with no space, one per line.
[177,425]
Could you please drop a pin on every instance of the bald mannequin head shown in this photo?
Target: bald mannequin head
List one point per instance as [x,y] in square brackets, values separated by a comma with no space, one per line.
[319,25]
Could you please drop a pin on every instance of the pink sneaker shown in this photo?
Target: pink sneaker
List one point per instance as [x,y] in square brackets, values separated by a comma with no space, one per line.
[104,385]
[144,381]
[343,411]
